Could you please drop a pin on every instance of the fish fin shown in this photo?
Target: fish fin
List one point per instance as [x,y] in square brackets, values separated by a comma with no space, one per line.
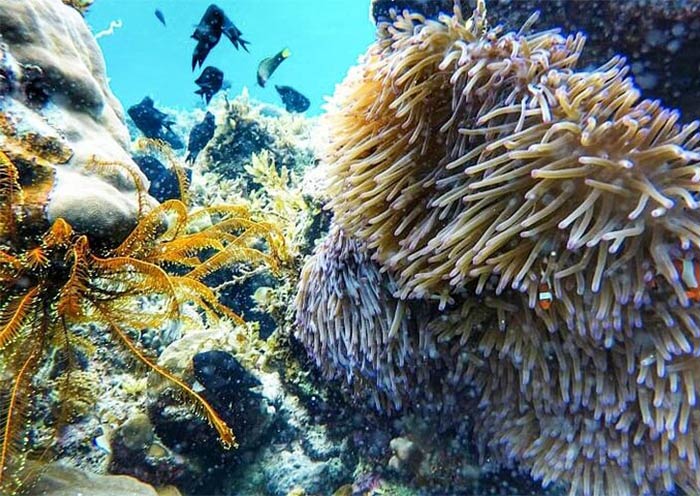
[286,53]
[200,54]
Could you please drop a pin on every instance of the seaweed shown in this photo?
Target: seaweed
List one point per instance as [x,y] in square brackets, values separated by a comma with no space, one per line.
[61,296]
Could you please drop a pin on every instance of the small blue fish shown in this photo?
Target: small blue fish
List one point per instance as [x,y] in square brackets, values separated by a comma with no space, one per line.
[160,16]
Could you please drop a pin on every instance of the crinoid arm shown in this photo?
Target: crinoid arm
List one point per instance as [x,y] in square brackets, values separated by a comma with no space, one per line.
[226,436]
[108,292]
[161,225]
[10,196]
[14,317]
[161,148]
[21,358]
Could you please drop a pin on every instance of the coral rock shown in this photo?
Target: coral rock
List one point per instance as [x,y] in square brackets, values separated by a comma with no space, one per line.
[59,480]
[54,81]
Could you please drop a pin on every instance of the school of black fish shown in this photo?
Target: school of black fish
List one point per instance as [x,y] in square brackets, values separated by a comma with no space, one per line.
[154,123]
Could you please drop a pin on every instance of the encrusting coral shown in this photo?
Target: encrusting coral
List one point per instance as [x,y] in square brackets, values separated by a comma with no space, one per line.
[480,168]
[56,290]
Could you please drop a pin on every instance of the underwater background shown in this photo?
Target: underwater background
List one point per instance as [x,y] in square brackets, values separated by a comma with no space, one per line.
[349,248]
[146,58]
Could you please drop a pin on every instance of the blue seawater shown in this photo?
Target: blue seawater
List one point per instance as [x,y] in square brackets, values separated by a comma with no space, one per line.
[146,58]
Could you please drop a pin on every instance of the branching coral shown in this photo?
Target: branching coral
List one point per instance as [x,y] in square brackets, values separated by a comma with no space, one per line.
[280,197]
[479,168]
[56,290]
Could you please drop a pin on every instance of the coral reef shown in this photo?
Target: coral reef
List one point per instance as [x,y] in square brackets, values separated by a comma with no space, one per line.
[248,128]
[546,220]
[281,196]
[56,290]
[166,279]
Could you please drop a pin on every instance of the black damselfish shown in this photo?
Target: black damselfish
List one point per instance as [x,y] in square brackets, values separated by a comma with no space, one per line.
[153,123]
[160,16]
[209,82]
[292,99]
[199,137]
[208,33]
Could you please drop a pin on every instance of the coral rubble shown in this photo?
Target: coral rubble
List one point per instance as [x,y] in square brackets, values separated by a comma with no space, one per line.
[481,170]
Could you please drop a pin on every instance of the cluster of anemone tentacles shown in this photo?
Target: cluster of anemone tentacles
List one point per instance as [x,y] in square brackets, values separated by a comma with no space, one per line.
[477,167]
[58,289]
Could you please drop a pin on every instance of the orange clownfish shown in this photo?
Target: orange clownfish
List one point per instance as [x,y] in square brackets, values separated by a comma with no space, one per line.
[544,296]
[689,271]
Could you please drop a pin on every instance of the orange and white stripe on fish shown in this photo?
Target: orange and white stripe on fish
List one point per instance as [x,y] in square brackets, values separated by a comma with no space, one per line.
[689,271]
[544,296]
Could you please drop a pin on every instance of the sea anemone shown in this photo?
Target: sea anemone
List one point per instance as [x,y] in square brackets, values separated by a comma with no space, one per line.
[462,154]
[615,420]
[391,352]
[479,168]
[606,421]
